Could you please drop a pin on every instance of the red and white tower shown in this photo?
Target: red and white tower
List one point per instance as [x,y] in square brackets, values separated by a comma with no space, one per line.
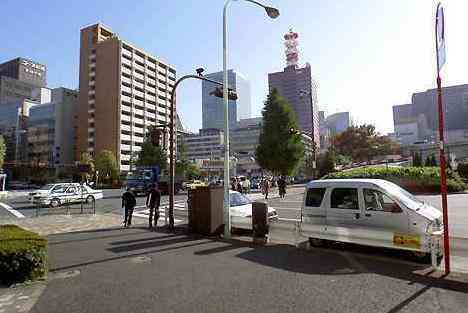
[291,43]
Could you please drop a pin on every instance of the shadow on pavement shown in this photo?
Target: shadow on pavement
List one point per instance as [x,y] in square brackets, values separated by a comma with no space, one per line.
[332,262]
[130,255]
[155,242]
[97,235]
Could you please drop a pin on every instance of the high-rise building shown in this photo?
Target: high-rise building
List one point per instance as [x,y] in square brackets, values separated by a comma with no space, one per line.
[12,90]
[123,91]
[299,88]
[419,120]
[26,71]
[52,130]
[331,126]
[207,144]
[213,107]
[13,127]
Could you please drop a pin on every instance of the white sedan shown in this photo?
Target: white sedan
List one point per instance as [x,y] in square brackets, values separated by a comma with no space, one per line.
[241,211]
[55,195]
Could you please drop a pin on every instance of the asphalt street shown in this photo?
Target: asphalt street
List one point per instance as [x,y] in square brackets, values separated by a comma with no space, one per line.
[135,270]
[288,208]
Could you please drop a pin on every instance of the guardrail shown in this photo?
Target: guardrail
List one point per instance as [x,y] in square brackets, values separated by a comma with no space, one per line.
[83,207]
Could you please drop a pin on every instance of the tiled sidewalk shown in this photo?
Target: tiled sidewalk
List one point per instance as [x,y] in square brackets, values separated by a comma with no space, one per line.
[55,224]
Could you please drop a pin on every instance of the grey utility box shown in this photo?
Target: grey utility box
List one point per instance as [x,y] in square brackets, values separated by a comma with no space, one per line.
[259,219]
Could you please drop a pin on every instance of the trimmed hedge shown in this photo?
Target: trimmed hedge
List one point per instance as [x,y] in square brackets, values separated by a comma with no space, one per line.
[414,179]
[23,255]
[462,169]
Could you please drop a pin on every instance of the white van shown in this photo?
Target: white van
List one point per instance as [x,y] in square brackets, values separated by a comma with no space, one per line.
[370,212]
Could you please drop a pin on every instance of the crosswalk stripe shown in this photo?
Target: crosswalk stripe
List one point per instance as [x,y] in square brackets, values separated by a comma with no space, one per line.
[11,210]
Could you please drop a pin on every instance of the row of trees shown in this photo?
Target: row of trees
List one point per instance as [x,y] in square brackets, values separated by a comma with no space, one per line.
[281,150]
[151,154]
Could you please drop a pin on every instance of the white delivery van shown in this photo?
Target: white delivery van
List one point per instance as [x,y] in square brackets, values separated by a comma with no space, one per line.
[370,212]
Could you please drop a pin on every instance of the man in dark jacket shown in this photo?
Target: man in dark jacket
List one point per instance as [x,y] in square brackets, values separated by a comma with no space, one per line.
[129,203]
[152,202]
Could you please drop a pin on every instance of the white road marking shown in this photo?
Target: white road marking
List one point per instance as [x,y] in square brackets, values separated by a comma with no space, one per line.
[11,210]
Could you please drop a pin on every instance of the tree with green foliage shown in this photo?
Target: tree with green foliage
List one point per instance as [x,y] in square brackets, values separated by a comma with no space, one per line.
[106,164]
[87,159]
[2,151]
[417,160]
[326,163]
[152,153]
[362,143]
[343,159]
[280,150]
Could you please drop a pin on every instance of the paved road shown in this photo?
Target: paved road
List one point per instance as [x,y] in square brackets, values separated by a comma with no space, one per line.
[138,271]
[111,203]
[286,208]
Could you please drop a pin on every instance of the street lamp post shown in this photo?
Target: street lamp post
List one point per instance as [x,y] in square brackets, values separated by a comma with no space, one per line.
[272,13]
[172,139]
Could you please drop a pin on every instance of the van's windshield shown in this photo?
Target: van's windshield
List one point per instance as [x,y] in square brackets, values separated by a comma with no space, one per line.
[404,196]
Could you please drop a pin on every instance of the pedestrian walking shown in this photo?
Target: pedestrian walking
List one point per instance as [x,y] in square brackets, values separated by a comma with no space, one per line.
[153,200]
[282,187]
[239,185]
[233,184]
[129,203]
[266,187]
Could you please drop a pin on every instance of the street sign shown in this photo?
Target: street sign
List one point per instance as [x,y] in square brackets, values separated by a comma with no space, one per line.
[440,37]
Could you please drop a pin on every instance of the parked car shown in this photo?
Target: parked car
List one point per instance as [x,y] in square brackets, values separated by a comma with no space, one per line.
[54,195]
[370,212]
[194,184]
[241,211]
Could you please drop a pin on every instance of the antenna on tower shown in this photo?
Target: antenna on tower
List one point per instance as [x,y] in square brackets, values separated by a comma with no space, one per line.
[291,43]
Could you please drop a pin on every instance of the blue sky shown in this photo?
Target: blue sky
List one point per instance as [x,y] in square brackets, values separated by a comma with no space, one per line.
[366,55]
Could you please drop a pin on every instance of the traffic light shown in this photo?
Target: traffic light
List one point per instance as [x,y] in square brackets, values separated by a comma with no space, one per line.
[218,92]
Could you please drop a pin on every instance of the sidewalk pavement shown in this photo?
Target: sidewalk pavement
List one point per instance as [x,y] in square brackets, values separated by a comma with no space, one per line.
[134,270]
[56,224]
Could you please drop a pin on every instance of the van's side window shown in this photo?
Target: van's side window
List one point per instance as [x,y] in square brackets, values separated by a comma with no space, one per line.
[314,197]
[376,200]
[345,198]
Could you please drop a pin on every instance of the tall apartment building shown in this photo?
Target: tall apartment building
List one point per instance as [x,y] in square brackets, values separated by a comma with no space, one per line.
[213,107]
[299,88]
[123,91]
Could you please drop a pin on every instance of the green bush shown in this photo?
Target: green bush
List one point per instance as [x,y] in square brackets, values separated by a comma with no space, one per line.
[23,255]
[414,179]
[462,169]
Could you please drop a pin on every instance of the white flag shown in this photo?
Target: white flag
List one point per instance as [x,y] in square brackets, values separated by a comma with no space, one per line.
[440,37]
